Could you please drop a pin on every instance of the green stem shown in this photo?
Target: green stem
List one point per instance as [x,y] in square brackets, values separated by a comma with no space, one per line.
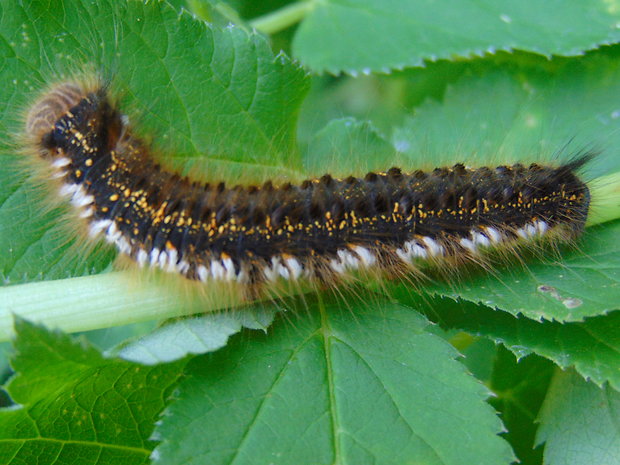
[605,193]
[284,17]
[116,299]
[94,302]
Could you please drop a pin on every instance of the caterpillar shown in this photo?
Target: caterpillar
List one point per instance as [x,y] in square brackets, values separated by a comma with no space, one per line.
[389,223]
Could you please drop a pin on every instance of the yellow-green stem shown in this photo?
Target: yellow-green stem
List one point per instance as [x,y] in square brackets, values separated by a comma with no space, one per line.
[85,303]
[284,17]
[605,193]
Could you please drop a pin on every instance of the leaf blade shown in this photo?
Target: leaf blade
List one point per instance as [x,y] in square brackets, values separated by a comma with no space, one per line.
[591,347]
[323,388]
[397,34]
[579,422]
[77,404]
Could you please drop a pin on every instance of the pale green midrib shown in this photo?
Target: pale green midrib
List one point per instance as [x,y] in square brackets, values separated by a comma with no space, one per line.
[63,442]
[325,333]
[263,403]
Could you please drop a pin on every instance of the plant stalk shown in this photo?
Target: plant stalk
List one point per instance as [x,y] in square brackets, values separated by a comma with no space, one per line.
[283,18]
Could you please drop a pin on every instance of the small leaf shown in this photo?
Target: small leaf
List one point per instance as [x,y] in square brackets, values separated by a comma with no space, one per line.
[321,388]
[197,335]
[579,423]
[78,407]
[361,36]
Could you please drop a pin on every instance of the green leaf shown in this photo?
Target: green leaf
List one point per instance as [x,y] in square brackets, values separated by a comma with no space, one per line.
[219,97]
[195,335]
[508,114]
[357,142]
[361,36]
[106,339]
[78,407]
[579,423]
[321,388]
[592,347]
[34,245]
[582,283]
[520,389]
[479,354]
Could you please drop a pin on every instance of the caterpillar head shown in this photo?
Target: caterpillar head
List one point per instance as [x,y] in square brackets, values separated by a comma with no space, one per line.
[69,115]
[51,107]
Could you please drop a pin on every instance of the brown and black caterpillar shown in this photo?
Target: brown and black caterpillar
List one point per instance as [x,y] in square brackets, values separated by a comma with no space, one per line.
[388,222]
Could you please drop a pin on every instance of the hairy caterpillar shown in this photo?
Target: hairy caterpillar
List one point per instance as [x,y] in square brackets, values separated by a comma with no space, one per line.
[319,230]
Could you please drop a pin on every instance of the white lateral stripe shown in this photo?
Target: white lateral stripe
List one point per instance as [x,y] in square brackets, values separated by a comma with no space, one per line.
[173,257]
[217,270]
[113,234]
[80,200]
[270,274]
[61,162]
[97,226]
[78,192]
[433,247]
[480,239]
[229,266]
[404,256]
[410,251]
[59,174]
[154,257]
[365,255]
[294,267]
[67,190]
[493,234]
[336,265]
[203,273]
[123,245]
[183,267]
[417,250]
[163,259]
[348,259]
[142,257]
[542,227]
[88,212]
[283,271]
[468,244]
